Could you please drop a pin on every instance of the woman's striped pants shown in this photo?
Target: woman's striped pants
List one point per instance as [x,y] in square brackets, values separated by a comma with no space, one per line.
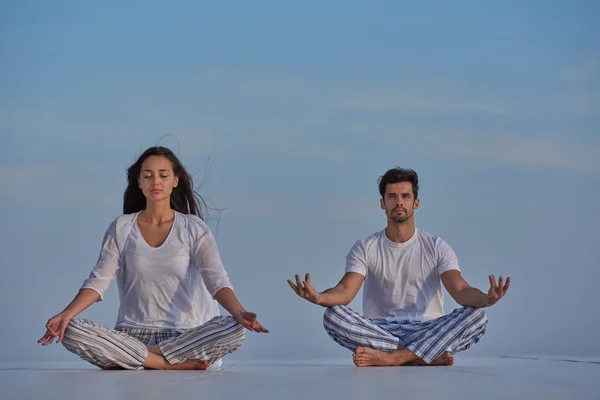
[126,347]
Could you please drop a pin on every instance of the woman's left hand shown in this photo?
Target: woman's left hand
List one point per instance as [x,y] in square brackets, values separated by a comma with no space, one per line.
[248,320]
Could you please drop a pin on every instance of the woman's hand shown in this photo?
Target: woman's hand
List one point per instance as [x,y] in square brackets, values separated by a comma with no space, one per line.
[248,320]
[55,326]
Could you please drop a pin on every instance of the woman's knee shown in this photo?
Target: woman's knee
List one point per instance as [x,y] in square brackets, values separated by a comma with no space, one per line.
[72,327]
[235,330]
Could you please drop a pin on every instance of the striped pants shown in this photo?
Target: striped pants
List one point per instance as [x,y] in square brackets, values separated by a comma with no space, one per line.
[453,332]
[126,347]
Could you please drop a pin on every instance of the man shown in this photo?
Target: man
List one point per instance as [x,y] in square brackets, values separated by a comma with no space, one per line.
[403,269]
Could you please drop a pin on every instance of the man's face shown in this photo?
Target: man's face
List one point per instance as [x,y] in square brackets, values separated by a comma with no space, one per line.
[399,202]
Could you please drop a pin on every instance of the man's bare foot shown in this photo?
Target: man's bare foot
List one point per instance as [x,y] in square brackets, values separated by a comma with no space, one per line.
[367,357]
[445,359]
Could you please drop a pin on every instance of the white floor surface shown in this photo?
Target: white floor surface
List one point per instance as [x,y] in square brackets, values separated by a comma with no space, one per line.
[530,377]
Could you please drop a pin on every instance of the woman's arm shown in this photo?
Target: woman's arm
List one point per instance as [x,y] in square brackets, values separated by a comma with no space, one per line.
[230,302]
[91,291]
[57,325]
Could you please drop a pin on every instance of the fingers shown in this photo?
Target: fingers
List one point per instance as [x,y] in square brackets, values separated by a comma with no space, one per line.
[507,285]
[255,326]
[43,338]
[294,288]
[250,322]
[492,281]
[300,287]
[303,288]
[259,328]
[47,339]
[502,285]
[49,336]
[497,291]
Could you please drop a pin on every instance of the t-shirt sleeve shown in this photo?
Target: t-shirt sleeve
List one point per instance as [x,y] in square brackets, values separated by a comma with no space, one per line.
[107,265]
[356,259]
[446,258]
[207,260]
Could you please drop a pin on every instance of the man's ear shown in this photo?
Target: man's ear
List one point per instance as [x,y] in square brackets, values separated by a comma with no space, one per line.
[382,204]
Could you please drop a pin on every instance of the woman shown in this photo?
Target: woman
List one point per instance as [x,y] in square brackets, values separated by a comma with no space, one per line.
[170,278]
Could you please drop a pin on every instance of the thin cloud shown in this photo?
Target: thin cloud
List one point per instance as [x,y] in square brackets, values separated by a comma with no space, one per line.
[519,150]
[582,72]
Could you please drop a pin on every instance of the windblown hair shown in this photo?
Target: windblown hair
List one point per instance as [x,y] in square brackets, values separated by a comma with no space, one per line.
[183,198]
[396,175]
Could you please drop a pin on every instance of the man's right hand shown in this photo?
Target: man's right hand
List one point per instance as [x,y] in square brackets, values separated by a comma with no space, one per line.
[55,326]
[305,290]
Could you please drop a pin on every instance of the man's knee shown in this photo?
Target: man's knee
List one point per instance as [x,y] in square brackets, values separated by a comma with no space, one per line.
[332,314]
[335,318]
[478,316]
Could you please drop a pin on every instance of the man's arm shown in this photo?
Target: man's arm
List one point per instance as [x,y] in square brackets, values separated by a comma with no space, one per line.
[468,296]
[341,294]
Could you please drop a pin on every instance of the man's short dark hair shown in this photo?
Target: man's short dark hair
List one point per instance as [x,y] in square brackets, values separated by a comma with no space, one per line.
[396,175]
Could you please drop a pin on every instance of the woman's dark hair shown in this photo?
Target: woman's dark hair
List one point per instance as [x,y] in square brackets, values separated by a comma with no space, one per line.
[396,175]
[183,198]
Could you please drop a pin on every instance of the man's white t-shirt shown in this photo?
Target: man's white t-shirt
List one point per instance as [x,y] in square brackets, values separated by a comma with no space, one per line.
[402,280]
[171,286]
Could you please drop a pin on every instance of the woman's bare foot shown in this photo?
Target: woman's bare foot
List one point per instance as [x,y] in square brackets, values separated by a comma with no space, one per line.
[156,361]
[445,359]
[189,365]
[367,357]
[153,348]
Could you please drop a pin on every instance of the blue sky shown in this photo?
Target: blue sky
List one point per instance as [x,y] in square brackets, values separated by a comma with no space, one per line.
[290,111]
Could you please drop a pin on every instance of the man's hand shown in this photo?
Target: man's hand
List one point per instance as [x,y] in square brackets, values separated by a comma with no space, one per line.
[498,291]
[248,320]
[305,289]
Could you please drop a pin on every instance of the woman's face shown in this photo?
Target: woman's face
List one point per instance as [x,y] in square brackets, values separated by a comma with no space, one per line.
[157,178]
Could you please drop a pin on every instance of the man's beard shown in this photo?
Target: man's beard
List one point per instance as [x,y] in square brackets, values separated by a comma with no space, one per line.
[401,219]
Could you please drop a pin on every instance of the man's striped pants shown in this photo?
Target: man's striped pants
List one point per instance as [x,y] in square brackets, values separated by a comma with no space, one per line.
[428,340]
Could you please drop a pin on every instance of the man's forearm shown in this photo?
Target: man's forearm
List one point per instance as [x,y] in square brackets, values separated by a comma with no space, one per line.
[334,297]
[471,297]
